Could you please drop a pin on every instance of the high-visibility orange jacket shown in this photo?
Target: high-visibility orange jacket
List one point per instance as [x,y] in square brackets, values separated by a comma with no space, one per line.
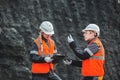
[43,50]
[94,65]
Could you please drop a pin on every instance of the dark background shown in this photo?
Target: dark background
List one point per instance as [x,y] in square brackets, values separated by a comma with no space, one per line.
[20,20]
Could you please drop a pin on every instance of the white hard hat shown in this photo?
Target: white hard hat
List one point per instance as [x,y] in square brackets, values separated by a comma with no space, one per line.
[46,27]
[92,27]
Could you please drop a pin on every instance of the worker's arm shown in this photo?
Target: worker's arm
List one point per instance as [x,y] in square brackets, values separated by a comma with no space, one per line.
[86,53]
[34,55]
[72,62]
[76,63]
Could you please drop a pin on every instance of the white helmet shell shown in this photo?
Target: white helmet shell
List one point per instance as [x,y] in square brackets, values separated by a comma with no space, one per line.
[92,27]
[47,27]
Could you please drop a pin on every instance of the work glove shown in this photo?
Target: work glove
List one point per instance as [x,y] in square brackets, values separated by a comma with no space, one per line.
[48,59]
[70,39]
[67,61]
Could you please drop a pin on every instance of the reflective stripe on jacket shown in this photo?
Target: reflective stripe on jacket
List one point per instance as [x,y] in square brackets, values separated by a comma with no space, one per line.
[94,65]
[43,50]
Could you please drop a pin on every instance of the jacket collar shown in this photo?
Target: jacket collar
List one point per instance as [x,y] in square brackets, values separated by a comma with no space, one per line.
[91,40]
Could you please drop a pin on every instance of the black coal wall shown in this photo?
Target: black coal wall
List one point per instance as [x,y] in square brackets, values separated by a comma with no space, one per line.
[20,20]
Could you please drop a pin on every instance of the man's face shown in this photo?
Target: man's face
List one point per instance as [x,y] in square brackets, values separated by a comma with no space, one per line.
[88,35]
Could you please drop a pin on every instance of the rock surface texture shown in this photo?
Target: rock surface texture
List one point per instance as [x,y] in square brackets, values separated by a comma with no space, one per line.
[20,20]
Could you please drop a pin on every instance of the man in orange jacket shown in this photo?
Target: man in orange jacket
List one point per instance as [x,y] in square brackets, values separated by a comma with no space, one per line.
[42,52]
[92,57]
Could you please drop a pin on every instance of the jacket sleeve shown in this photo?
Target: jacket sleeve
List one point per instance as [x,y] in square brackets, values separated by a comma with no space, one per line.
[34,55]
[76,63]
[86,53]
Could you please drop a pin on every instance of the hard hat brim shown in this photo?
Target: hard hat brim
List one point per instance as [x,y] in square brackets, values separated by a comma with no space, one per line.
[87,30]
[90,30]
[49,33]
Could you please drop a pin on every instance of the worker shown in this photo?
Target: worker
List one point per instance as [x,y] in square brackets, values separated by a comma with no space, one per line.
[92,57]
[41,54]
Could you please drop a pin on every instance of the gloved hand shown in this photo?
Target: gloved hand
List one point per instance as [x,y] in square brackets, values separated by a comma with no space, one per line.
[70,39]
[48,59]
[67,61]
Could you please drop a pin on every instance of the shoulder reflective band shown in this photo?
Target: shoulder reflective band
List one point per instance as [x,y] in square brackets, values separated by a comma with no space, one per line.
[89,52]
[33,52]
[98,57]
